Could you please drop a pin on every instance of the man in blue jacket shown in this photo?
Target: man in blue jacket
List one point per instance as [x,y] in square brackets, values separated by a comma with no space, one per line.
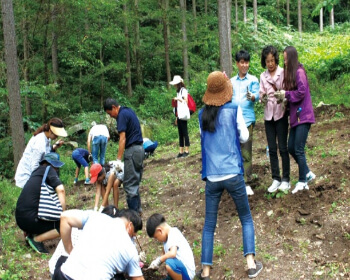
[245,94]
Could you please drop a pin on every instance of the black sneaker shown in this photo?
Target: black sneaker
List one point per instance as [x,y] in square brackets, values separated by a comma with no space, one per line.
[37,246]
[180,155]
[185,154]
[253,272]
[200,277]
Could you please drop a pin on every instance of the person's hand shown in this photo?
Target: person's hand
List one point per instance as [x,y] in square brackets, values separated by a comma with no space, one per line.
[250,96]
[142,256]
[118,165]
[90,157]
[155,264]
[264,99]
[284,103]
[280,95]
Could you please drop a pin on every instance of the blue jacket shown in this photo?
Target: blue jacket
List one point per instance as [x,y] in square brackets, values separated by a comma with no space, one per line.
[239,95]
[221,152]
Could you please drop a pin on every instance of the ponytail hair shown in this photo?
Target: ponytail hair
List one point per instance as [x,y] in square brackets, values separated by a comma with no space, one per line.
[46,126]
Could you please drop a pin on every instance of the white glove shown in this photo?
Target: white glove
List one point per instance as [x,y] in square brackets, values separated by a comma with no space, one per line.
[249,95]
[264,99]
[280,95]
[118,165]
[95,208]
[142,256]
[101,209]
[155,264]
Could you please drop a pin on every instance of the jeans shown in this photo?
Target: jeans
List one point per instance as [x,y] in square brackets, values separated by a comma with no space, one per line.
[213,190]
[296,147]
[247,155]
[184,140]
[278,130]
[133,168]
[99,144]
[79,159]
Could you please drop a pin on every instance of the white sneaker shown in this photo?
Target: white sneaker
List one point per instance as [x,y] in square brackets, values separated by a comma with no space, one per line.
[310,176]
[300,186]
[249,190]
[285,186]
[274,186]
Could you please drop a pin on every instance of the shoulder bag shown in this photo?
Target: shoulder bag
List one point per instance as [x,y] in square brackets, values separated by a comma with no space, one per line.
[50,208]
[183,112]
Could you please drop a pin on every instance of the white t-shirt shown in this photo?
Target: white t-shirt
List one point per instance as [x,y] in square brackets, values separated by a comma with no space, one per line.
[103,249]
[36,148]
[184,251]
[182,94]
[99,129]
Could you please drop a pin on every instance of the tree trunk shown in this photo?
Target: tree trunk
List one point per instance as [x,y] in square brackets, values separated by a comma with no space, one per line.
[331,17]
[25,59]
[164,6]
[194,7]
[278,11]
[184,39]
[137,45]
[236,14]
[127,51]
[46,60]
[224,10]
[321,20]
[102,73]
[13,88]
[255,12]
[244,11]
[54,47]
[299,17]
[288,13]
[206,7]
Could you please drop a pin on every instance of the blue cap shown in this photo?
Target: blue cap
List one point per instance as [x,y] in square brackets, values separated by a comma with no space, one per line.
[53,159]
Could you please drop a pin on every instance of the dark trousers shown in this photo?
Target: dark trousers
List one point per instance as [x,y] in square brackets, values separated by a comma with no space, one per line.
[278,131]
[183,133]
[296,147]
[247,155]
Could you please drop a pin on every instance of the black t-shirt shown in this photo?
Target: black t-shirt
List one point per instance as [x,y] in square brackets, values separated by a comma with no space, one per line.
[28,201]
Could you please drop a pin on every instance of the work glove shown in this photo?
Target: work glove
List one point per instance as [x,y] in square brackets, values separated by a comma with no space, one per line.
[101,209]
[142,256]
[280,95]
[264,99]
[284,104]
[118,165]
[250,95]
[155,264]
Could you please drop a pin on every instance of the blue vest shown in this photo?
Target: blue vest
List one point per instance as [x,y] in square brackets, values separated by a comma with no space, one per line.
[221,151]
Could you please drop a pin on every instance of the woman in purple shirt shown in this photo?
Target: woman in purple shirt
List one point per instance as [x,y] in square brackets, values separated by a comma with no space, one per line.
[297,93]
[276,118]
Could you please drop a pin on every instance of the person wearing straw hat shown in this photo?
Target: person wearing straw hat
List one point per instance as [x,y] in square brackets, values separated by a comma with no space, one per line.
[246,94]
[37,147]
[38,230]
[182,93]
[222,129]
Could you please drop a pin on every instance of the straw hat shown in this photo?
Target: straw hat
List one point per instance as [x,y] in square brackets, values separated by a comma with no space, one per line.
[58,130]
[176,80]
[219,89]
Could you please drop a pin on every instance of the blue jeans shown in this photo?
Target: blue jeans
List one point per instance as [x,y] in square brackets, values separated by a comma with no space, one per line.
[178,267]
[213,190]
[79,159]
[99,144]
[296,147]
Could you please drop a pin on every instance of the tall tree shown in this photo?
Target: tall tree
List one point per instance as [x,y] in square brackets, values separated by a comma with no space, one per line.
[13,88]
[165,6]
[236,14]
[321,19]
[224,15]
[54,44]
[184,39]
[255,12]
[331,17]
[244,11]
[194,11]
[137,44]
[288,13]
[127,51]
[299,17]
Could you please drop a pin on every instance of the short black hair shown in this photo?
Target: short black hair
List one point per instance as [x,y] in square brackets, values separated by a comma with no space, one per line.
[111,211]
[242,54]
[153,222]
[109,102]
[132,216]
[265,52]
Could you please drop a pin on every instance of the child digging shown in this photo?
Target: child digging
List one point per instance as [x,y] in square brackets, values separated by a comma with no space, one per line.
[177,253]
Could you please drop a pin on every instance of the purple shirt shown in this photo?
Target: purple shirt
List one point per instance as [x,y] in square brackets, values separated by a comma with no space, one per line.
[272,109]
[300,98]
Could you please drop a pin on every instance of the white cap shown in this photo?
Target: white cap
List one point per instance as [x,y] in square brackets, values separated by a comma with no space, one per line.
[176,80]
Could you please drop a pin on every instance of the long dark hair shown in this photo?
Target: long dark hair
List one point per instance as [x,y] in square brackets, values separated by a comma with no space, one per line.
[180,86]
[209,116]
[290,70]
[46,126]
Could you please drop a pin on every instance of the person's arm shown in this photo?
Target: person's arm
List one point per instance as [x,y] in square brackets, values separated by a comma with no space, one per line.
[61,196]
[98,194]
[137,278]
[254,87]
[169,255]
[110,183]
[241,126]
[89,143]
[58,144]
[295,96]
[69,219]
[122,141]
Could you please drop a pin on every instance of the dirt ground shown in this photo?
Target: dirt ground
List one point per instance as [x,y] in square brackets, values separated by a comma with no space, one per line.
[300,236]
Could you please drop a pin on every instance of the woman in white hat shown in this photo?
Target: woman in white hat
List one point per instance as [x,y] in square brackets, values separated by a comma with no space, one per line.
[222,130]
[182,93]
[37,147]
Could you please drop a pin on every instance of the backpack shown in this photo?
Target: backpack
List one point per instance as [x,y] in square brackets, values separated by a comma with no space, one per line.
[191,104]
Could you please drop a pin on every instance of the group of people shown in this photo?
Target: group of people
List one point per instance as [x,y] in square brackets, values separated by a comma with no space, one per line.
[226,125]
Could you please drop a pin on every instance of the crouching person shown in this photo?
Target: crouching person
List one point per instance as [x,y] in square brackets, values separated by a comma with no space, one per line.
[105,246]
[177,253]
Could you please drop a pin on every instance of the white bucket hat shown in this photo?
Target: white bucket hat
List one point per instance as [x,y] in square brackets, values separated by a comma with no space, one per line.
[176,80]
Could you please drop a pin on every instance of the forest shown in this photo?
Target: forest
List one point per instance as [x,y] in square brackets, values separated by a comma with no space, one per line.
[63,58]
